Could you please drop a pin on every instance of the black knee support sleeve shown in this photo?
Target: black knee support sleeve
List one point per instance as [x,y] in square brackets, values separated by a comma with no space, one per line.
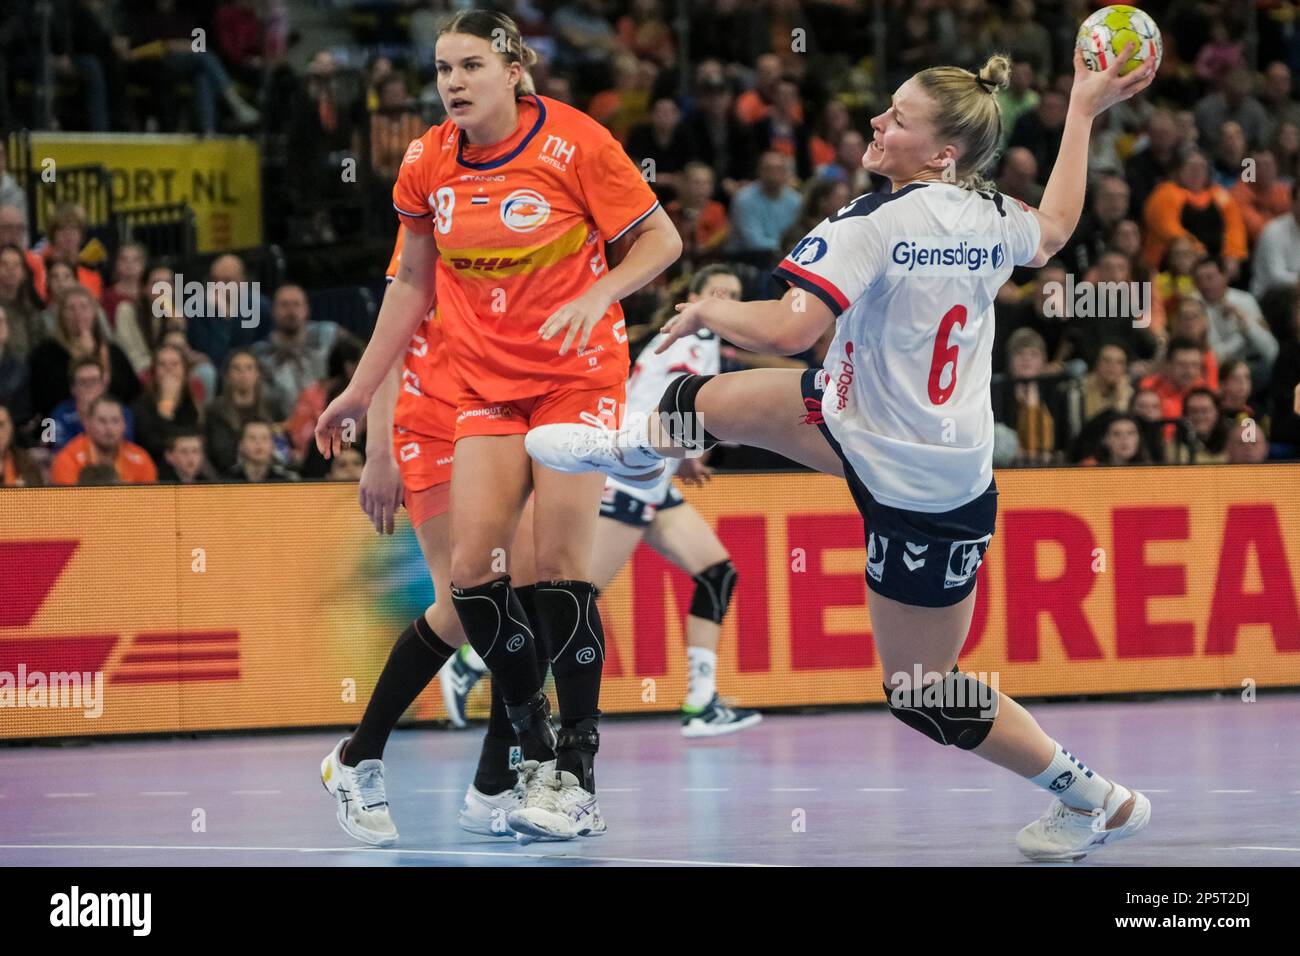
[567,614]
[713,587]
[678,416]
[958,710]
[498,630]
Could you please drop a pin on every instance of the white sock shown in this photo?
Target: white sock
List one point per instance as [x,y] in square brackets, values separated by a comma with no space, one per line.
[1067,778]
[703,666]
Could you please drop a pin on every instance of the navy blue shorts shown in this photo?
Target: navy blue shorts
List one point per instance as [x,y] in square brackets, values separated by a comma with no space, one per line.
[920,558]
[620,506]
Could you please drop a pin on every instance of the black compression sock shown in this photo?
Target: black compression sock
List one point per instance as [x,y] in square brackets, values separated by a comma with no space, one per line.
[527,595]
[495,772]
[413,662]
[567,615]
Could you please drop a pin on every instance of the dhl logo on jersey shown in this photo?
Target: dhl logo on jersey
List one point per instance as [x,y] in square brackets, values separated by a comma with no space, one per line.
[495,264]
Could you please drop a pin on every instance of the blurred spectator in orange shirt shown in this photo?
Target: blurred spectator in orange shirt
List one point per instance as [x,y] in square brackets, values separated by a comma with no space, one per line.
[1192,204]
[1184,370]
[301,424]
[834,123]
[103,443]
[701,220]
[1262,198]
[645,32]
[627,103]
[1190,320]
[67,240]
[16,467]
[754,104]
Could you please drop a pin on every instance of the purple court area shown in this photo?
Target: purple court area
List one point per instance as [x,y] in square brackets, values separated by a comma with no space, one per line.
[1223,777]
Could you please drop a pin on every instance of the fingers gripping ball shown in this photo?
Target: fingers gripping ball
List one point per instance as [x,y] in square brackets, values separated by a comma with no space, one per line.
[1106,34]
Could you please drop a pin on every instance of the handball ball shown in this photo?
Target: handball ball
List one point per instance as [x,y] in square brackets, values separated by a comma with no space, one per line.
[1106,33]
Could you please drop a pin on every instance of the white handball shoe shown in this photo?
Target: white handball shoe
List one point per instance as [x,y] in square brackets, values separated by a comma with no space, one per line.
[488,814]
[1064,834]
[580,448]
[555,806]
[362,800]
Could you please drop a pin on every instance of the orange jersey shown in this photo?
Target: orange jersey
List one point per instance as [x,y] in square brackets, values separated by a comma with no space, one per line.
[426,404]
[133,464]
[521,228]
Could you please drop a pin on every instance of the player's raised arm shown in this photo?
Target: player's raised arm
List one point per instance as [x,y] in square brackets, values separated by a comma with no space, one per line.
[787,326]
[1093,93]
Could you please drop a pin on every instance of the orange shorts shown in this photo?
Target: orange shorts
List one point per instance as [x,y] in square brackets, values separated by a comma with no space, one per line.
[476,415]
[425,465]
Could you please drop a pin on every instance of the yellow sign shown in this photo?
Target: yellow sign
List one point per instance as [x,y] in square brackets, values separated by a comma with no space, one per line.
[218,177]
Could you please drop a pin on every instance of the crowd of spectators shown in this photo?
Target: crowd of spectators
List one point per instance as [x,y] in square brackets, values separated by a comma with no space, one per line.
[1192,207]
[121,388]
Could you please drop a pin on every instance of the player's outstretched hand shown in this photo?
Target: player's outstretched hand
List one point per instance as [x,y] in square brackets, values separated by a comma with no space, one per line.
[688,320]
[338,423]
[380,491]
[1097,91]
[577,318]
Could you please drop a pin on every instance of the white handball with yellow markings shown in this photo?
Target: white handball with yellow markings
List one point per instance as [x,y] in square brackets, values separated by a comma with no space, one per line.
[1108,32]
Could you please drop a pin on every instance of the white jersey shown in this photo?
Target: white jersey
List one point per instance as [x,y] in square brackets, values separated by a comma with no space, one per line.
[698,354]
[911,277]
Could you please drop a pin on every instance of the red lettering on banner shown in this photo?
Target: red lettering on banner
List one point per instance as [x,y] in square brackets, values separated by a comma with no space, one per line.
[29,570]
[812,592]
[1274,604]
[650,574]
[746,540]
[1136,582]
[1060,598]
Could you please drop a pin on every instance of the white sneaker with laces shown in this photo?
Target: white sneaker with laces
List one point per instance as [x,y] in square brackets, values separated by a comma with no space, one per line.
[361,797]
[488,813]
[579,448]
[555,806]
[1064,834]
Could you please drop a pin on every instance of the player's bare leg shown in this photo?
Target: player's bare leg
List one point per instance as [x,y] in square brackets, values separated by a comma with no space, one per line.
[760,407]
[682,536]
[920,641]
